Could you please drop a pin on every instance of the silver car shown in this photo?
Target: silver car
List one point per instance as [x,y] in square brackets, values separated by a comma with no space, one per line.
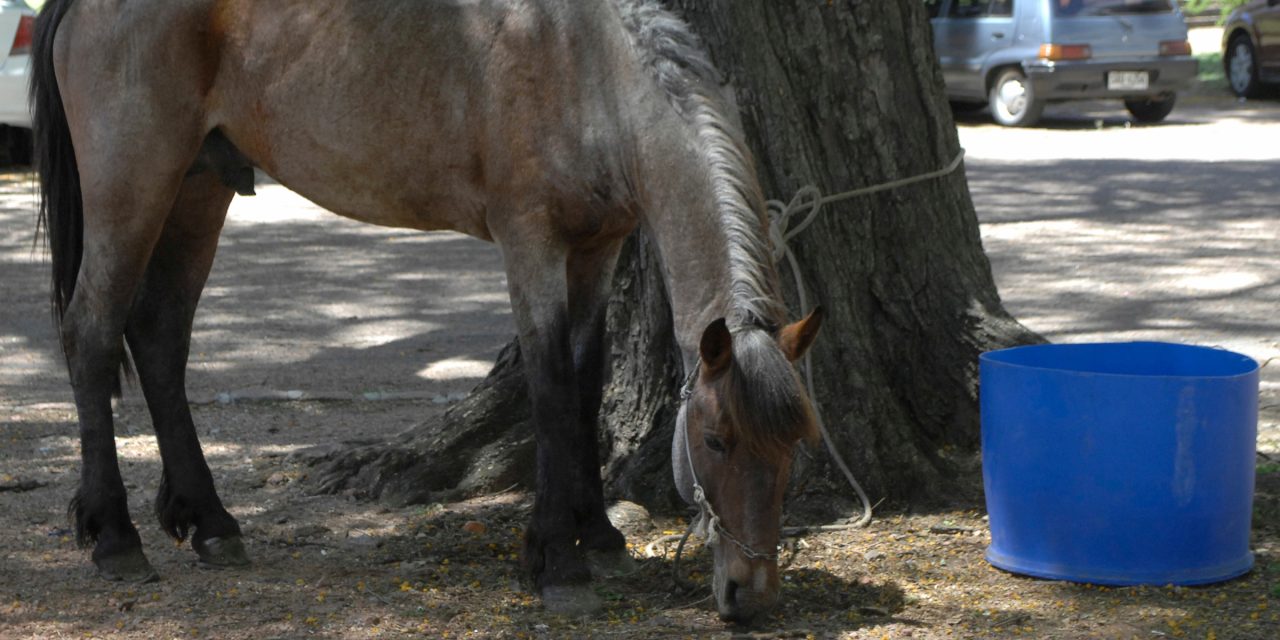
[17,22]
[1018,55]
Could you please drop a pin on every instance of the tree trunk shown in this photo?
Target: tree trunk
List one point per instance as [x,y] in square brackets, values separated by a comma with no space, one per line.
[840,95]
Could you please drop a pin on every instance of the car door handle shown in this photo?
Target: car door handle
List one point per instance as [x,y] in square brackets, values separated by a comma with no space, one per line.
[997,35]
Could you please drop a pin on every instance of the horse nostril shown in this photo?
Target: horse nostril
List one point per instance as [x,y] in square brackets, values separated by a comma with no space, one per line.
[729,608]
[741,605]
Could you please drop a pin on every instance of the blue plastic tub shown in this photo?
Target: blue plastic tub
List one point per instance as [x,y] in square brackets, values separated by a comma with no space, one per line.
[1119,463]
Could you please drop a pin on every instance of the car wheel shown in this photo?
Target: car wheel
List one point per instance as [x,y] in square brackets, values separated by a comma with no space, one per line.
[1242,67]
[1013,101]
[1150,109]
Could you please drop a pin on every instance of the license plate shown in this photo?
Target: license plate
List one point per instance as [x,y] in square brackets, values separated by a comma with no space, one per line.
[1127,80]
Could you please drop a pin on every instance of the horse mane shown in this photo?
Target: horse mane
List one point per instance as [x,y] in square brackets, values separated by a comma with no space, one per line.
[764,397]
[681,68]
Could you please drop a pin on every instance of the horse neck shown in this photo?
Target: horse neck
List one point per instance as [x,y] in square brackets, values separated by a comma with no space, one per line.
[715,257]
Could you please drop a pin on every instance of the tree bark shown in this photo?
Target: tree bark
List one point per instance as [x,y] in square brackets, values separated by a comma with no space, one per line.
[840,95]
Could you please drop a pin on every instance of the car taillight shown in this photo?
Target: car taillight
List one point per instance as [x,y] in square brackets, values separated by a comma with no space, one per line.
[22,39]
[1066,51]
[1175,48]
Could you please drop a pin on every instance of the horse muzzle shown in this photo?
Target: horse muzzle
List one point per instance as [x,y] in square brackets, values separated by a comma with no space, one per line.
[745,592]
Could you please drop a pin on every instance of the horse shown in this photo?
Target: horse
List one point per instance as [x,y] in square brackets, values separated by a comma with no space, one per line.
[552,128]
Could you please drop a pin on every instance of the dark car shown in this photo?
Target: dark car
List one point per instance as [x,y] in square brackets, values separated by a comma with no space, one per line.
[1251,47]
[17,22]
[1018,55]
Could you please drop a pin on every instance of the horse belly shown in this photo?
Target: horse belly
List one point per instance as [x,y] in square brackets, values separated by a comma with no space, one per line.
[418,177]
[382,193]
[377,125]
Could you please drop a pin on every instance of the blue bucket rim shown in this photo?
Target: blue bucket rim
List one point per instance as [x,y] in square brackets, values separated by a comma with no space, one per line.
[993,357]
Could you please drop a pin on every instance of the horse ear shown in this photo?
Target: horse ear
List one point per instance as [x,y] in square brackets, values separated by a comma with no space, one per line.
[796,338]
[716,348]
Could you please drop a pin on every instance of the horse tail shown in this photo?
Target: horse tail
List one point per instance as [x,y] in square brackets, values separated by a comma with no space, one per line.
[60,213]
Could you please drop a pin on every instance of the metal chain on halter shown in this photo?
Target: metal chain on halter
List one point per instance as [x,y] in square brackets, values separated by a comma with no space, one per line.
[807,198]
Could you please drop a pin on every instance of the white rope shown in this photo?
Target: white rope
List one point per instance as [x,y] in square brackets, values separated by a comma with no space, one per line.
[780,233]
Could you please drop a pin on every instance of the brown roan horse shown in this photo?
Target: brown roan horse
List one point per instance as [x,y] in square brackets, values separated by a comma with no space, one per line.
[550,127]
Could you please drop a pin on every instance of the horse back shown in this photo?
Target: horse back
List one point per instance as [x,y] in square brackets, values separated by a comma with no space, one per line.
[426,114]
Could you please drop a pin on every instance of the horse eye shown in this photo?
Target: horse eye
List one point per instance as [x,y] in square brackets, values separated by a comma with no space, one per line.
[714,443]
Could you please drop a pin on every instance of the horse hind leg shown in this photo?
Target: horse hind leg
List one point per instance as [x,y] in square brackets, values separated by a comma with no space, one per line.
[115,134]
[122,218]
[127,174]
[159,338]
[91,337]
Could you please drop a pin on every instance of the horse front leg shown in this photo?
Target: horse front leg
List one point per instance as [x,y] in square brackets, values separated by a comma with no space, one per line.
[590,275]
[539,298]
[159,336]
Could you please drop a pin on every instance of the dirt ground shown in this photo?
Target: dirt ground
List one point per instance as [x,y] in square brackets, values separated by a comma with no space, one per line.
[314,331]
[332,567]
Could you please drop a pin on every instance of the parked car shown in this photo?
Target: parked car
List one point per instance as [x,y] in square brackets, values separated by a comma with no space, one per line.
[17,21]
[1251,47]
[1018,55]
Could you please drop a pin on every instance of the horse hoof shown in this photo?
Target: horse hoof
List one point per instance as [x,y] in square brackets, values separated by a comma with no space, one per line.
[222,553]
[574,600]
[130,566]
[611,564]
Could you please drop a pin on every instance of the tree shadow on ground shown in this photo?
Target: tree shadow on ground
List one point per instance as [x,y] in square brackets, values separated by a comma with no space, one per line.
[303,303]
[427,570]
[1173,248]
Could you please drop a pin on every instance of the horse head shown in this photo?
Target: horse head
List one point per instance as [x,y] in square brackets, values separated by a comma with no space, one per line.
[743,411]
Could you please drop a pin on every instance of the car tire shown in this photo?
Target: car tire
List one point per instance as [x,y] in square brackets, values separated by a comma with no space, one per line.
[15,146]
[1240,61]
[1151,109]
[1013,100]
[968,106]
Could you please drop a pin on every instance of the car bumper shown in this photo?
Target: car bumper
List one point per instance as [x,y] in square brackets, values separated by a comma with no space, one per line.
[1088,79]
[13,92]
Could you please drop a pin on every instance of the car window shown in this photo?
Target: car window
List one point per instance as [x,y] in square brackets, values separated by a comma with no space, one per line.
[932,6]
[1109,7]
[968,8]
[980,8]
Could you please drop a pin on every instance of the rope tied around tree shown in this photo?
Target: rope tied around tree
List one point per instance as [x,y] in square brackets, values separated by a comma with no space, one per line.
[807,199]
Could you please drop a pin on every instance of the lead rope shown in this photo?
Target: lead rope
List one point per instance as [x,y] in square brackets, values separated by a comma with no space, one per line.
[780,233]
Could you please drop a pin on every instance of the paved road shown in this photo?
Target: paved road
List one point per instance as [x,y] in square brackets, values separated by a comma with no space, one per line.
[1096,231]
[299,299]
[1102,231]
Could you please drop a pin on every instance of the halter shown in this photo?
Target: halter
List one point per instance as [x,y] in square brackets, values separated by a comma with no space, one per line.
[708,523]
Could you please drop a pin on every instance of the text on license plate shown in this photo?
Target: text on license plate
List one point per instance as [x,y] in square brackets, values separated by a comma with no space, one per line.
[1126,80]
